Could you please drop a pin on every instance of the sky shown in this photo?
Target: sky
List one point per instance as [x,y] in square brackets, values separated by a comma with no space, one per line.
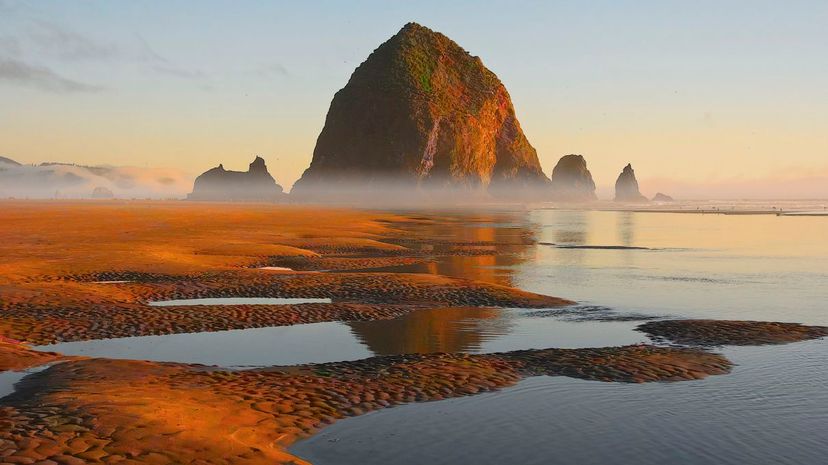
[704,98]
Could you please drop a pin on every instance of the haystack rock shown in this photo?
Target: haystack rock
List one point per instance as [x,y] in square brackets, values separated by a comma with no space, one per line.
[421,112]
[659,197]
[220,184]
[571,180]
[626,187]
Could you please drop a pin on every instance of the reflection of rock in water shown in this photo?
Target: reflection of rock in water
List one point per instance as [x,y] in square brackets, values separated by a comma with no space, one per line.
[626,228]
[474,247]
[455,329]
[434,330]
[576,224]
[570,237]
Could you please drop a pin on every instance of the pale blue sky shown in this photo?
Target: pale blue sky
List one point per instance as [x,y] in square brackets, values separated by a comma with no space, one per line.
[691,92]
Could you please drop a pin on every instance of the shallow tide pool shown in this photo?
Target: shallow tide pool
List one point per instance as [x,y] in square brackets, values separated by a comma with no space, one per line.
[471,330]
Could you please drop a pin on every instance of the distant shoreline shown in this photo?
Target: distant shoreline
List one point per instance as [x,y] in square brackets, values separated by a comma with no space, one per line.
[810,207]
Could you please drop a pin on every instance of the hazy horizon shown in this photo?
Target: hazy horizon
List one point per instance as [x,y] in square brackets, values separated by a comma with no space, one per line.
[708,102]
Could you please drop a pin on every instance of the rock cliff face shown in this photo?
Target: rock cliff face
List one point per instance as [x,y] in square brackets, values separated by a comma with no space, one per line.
[571,180]
[220,184]
[422,112]
[626,187]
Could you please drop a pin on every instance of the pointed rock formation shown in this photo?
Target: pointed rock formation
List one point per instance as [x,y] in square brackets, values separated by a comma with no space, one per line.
[571,180]
[659,197]
[421,112]
[220,184]
[626,187]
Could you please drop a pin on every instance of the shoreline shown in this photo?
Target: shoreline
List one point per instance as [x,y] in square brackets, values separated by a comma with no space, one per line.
[86,271]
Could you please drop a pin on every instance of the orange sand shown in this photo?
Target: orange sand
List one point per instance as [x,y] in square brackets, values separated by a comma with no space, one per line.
[52,255]
[141,412]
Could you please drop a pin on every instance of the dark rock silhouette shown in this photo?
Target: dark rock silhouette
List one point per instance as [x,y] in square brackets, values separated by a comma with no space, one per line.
[571,180]
[9,161]
[220,184]
[659,197]
[101,192]
[422,112]
[626,187]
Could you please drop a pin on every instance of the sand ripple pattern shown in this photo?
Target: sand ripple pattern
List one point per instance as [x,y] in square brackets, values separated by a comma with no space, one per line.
[119,411]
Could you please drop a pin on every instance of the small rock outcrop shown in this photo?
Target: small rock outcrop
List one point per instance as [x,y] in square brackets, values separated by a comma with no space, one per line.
[626,187]
[8,161]
[571,180]
[422,114]
[101,192]
[659,197]
[255,184]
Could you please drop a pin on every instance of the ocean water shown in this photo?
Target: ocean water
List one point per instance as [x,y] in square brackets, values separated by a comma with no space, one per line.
[773,408]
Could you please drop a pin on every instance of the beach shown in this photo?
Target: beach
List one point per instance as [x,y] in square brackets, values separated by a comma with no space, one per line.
[87,271]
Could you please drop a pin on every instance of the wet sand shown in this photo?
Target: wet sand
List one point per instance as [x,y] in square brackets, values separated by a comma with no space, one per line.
[59,263]
[75,271]
[15,355]
[118,411]
[729,332]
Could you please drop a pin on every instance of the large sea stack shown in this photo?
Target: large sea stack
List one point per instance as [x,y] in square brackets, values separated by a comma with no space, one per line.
[626,187]
[251,185]
[571,180]
[421,113]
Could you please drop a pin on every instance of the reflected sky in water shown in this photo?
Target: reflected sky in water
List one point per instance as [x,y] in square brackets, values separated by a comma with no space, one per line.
[772,410]
[712,266]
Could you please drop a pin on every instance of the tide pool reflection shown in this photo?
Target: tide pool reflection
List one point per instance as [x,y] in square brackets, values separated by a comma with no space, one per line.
[482,247]
[434,330]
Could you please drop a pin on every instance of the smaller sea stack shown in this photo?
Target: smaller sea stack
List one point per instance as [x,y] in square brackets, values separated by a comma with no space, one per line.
[571,180]
[255,184]
[659,197]
[626,187]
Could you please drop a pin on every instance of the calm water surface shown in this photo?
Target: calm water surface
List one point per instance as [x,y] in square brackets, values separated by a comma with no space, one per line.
[471,330]
[773,409]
